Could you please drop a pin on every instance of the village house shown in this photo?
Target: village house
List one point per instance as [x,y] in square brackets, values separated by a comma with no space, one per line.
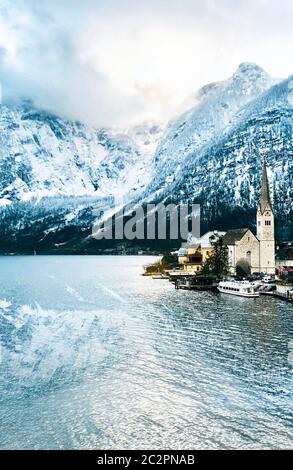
[193,255]
[258,251]
[207,241]
[284,262]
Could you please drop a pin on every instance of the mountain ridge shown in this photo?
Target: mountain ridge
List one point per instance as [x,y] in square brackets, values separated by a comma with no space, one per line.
[54,172]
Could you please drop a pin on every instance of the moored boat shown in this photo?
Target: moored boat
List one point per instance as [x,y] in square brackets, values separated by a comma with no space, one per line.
[239,288]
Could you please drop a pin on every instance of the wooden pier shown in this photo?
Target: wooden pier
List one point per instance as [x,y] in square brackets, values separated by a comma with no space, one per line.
[279,295]
[283,296]
[199,282]
[196,282]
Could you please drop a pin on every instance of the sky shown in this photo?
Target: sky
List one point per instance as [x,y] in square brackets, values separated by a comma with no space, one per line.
[122,62]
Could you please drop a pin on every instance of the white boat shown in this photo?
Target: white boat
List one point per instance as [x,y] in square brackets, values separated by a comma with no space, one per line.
[240,288]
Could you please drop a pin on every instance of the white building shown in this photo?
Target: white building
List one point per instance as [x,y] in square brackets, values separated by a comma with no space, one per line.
[194,253]
[259,250]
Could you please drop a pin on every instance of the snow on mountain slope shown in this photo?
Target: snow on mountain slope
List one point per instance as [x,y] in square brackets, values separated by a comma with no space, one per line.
[225,175]
[55,175]
[54,172]
[42,155]
[215,106]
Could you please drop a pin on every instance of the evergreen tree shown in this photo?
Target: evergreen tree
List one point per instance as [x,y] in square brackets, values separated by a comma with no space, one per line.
[169,260]
[218,262]
[243,268]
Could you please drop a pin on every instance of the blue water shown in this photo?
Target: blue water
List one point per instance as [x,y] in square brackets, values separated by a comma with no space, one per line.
[93,355]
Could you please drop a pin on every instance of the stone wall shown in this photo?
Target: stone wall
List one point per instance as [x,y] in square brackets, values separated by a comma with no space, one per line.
[249,243]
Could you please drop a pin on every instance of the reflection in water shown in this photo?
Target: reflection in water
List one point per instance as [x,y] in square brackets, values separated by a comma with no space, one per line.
[96,356]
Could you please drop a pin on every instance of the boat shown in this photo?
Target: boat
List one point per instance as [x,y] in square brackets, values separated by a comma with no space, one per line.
[240,288]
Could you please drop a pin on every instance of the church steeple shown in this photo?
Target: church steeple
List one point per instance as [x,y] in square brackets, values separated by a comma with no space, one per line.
[266,227]
[265,200]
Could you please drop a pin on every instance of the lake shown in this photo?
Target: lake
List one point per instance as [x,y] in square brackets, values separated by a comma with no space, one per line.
[95,356]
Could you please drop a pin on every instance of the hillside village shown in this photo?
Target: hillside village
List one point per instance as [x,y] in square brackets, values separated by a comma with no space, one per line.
[245,254]
[256,251]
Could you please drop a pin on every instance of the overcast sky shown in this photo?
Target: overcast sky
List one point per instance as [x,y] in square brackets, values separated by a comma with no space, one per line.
[119,62]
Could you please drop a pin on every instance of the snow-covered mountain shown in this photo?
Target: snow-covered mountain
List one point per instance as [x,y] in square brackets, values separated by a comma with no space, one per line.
[42,155]
[54,172]
[215,106]
[213,153]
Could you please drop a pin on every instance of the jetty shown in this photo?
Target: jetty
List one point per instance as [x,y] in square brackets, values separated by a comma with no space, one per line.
[283,296]
[281,292]
[196,282]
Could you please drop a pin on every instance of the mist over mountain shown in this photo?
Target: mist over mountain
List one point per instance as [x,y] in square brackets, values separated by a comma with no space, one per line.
[56,172]
[216,150]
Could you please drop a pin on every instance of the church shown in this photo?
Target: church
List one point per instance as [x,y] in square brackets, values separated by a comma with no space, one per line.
[259,250]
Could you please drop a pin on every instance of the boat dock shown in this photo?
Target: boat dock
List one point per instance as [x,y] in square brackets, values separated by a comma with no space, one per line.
[281,292]
[279,295]
[283,296]
[196,282]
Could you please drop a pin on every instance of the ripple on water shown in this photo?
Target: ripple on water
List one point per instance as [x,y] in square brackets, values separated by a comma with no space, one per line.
[116,360]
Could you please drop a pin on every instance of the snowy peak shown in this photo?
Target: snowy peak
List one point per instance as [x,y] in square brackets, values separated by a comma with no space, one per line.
[53,171]
[251,70]
[217,104]
[249,78]
[214,152]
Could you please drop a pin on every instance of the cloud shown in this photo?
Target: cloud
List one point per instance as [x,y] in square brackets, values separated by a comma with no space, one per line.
[41,60]
[117,62]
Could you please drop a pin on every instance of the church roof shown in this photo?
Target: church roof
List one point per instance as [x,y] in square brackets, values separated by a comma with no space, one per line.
[233,236]
[265,199]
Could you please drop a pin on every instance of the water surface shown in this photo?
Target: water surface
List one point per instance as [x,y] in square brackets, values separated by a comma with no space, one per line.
[93,355]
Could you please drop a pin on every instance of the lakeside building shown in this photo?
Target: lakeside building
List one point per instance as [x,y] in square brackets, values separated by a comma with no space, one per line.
[257,250]
[193,255]
[284,262]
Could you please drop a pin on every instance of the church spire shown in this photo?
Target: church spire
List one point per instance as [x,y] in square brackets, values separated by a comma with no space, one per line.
[265,200]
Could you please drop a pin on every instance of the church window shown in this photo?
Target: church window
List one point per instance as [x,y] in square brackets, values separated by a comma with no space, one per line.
[259,222]
[248,256]
[267,222]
